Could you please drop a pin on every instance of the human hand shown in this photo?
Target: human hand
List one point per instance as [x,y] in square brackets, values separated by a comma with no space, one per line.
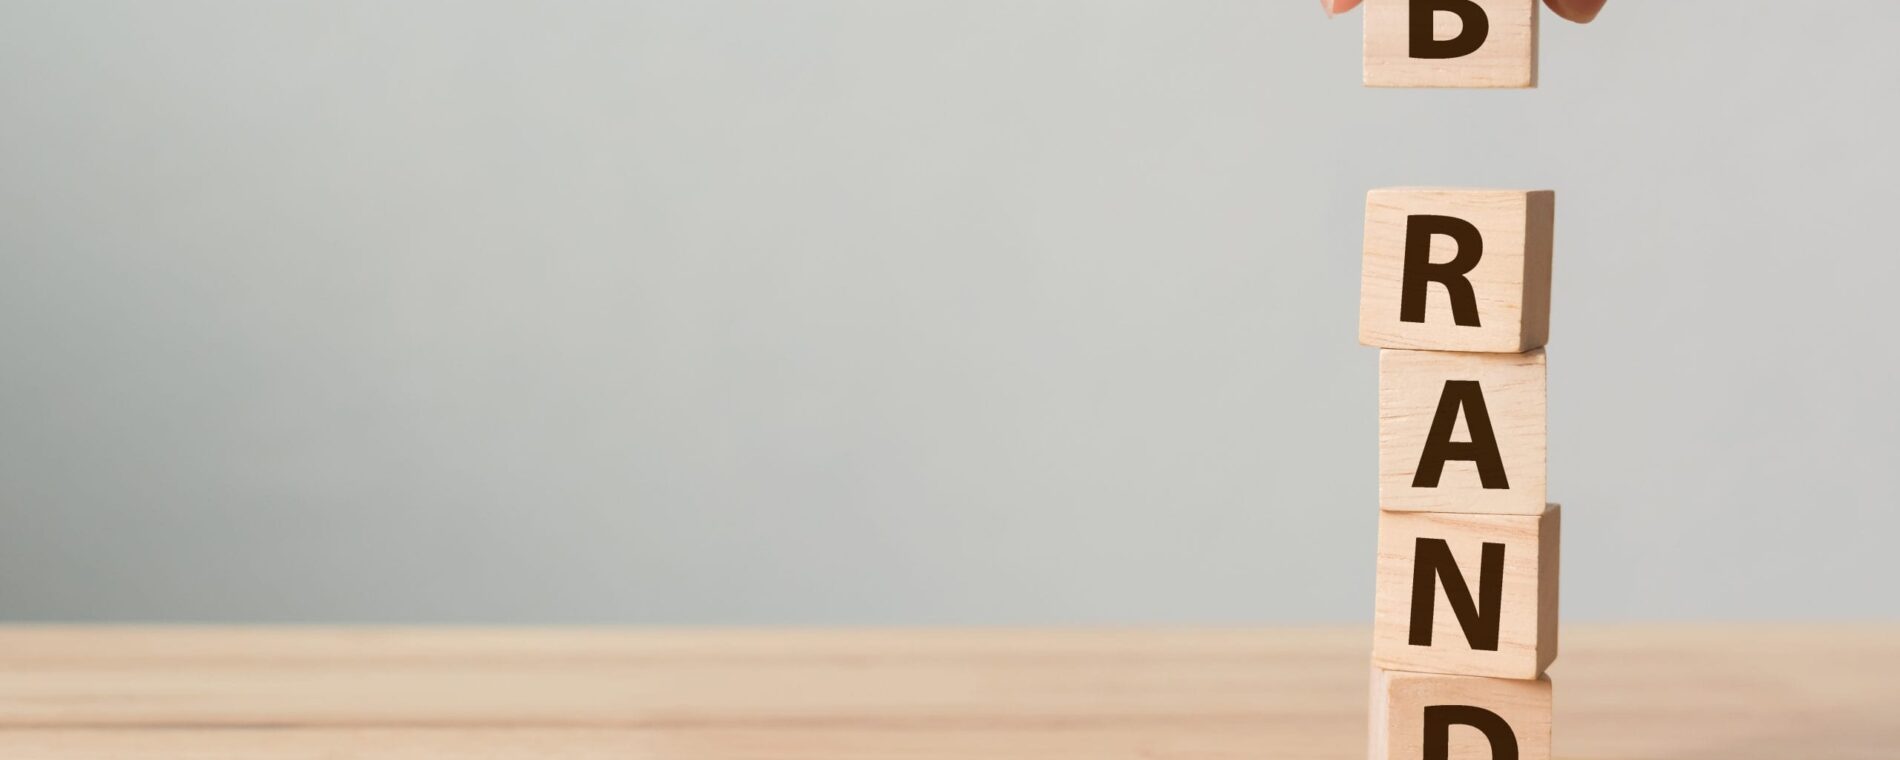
[1580,11]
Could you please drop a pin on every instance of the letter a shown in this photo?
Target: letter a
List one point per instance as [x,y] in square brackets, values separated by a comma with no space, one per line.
[1482,449]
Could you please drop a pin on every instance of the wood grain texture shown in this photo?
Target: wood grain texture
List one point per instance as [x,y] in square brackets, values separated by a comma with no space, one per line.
[1650,693]
[1515,389]
[1399,701]
[1527,611]
[1508,57]
[1510,283]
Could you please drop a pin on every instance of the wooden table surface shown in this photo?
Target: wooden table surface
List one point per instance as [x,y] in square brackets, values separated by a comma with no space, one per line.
[1639,693]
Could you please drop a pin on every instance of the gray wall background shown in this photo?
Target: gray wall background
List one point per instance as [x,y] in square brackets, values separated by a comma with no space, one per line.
[899,311]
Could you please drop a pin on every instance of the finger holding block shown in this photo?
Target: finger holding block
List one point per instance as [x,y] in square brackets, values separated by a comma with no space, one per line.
[1472,595]
[1463,432]
[1457,270]
[1419,716]
[1451,43]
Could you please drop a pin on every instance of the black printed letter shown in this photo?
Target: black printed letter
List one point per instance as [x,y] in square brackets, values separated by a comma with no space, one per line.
[1477,27]
[1439,720]
[1421,272]
[1433,564]
[1482,449]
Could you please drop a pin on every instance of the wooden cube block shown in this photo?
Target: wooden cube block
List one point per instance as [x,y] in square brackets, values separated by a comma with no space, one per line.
[1451,43]
[1457,270]
[1420,716]
[1469,595]
[1462,432]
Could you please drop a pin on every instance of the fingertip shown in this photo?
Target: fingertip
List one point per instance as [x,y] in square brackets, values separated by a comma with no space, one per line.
[1580,11]
[1336,7]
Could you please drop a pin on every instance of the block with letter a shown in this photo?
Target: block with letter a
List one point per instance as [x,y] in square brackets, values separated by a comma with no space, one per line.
[1462,432]
[1451,43]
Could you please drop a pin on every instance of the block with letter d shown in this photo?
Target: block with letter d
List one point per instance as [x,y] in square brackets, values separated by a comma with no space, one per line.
[1419,716]
[1457,270]
[1469,595]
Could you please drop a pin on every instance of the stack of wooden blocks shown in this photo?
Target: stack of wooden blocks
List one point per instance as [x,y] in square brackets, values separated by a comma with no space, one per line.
[1456,295]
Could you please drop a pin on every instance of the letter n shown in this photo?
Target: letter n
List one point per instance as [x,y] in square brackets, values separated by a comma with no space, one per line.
[1482,619]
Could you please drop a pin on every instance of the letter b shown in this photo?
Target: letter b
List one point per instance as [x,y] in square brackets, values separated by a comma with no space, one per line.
[1424,38]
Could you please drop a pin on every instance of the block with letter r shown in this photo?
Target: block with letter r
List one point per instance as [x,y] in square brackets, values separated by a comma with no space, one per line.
[1457,270]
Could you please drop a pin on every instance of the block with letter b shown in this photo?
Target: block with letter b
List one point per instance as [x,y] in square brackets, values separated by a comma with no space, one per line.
[1457,270]
[1462,432]
[1451,43]
[1422,716]
[1470,595]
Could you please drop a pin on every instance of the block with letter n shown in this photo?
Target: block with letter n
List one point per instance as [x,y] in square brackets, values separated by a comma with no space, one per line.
[1470,595]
